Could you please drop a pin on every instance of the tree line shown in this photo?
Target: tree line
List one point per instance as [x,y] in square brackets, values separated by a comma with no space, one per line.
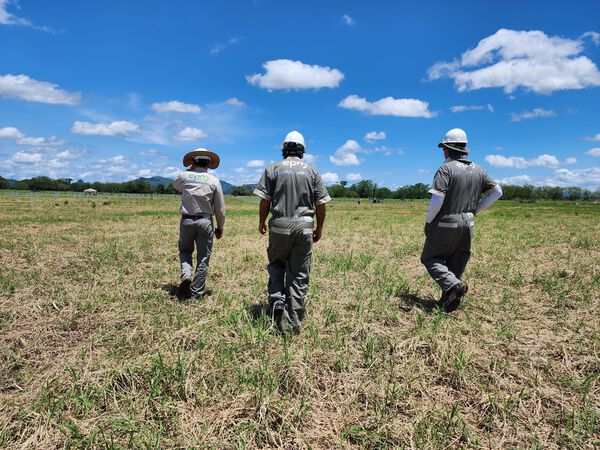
[66,184]
[361,189]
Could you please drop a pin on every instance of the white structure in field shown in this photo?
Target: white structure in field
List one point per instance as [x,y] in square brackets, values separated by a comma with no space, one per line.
[90,191]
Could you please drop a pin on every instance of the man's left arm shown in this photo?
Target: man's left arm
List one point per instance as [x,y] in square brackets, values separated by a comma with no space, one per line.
[321,199]
[491,190]
[219,209]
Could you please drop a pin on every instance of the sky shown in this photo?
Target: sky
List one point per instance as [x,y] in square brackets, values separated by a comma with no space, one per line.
[116,90]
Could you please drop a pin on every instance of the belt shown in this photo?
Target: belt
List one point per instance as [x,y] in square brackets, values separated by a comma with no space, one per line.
[196,216]
[449,220]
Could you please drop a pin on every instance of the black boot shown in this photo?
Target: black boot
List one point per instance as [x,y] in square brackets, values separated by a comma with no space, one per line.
[453,296]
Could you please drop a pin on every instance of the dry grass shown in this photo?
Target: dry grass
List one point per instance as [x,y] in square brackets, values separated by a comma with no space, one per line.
[96,352]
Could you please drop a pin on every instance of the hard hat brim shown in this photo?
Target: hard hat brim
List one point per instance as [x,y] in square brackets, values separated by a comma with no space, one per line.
[449,146]
[188,159]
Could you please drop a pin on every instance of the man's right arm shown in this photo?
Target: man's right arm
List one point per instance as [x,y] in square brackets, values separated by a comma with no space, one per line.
[263,213]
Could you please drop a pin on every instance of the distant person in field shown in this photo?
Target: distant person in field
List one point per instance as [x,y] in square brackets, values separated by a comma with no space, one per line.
[294,193]
[201,199]
[458,186]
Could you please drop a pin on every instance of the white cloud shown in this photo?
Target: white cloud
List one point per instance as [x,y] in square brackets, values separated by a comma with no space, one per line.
[288,74]
[220,46]
[346,154]
[7,18]
[256,164]
[577,177]
[21,87]
[176,106]
[463,108]
[26,158]
[517,162]
[233,101]
[593,151]
[528,115]
[570,161]
[389,106]
[423,171]
[593,138]
[348,20]
[10,133]
[353,176]
[531,60]
[191,134]
[309,158]
[330,177]
[40,141]
[518,179]
[373,136]
[120,128]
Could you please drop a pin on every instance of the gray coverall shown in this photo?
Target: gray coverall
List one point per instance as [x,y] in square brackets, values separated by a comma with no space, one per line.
[201,198]
[294,188]
[448,237]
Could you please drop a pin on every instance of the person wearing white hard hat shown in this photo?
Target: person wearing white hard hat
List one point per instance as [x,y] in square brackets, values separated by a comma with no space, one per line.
[201,199]
[456,198]
[294,193]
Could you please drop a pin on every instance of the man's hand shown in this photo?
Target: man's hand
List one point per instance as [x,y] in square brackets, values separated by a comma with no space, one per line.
[262,228]
[218,233]
[317,234]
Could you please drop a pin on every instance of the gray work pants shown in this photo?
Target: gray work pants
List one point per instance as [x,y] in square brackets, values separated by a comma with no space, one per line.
[290,254]
[447,248]
[199,232]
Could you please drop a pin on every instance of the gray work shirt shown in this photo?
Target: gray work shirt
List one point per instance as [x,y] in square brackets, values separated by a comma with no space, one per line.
[460,183]
[201,193]
[293,187]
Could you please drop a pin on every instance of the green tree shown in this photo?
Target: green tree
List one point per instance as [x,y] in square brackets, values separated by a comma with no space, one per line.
[4,184]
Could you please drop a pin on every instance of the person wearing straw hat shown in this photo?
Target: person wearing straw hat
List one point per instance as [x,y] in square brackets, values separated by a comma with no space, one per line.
[456,193]
[294,193]
[201,199]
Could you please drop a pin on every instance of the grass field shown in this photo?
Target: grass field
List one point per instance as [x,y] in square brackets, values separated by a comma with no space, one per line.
[95,351]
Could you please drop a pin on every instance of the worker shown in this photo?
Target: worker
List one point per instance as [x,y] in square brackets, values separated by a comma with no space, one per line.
[456,198]
[201,199]
[294,193]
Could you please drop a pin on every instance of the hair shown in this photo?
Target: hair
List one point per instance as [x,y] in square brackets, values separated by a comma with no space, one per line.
[296,150]
[456,155]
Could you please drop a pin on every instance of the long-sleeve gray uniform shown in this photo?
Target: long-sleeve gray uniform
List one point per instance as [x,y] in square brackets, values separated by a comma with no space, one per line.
[201,198]
[294,189]
[460,184]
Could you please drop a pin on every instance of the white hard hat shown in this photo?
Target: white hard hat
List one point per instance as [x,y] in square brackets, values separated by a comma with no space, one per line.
[294,136]
[455,136]
[455,139]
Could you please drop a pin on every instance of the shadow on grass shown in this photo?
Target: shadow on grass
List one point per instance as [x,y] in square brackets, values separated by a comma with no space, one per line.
[411,300]
[259,311]
[173,290]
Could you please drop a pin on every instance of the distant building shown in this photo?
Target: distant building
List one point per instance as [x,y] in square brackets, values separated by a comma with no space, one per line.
[90,191]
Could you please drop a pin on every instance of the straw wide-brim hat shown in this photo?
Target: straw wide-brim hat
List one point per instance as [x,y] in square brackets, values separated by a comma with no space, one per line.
[188,159]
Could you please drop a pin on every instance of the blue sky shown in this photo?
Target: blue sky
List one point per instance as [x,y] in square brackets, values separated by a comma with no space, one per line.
[112,90]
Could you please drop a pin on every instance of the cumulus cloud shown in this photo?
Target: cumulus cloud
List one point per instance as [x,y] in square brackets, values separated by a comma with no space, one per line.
[40,141]
[346,154]
[348,20]
[373,136]
[10,133]
[235,102]
[330,177]
[191,134]
[26,157]
[288,74]
[120,128]
[575,177]
[255,164]
[570,161]
[518,179]
[517,162]
[593,151]
[309,158]
[176,106]
[21,87]
[389,106]
[593,138]
[530,60]
[353,176]
[528,115]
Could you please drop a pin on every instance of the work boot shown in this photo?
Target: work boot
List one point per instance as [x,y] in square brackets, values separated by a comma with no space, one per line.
[453,296]
[183,290]
[277,307]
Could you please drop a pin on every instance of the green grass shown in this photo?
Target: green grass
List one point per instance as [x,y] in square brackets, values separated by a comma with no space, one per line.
[95,352]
